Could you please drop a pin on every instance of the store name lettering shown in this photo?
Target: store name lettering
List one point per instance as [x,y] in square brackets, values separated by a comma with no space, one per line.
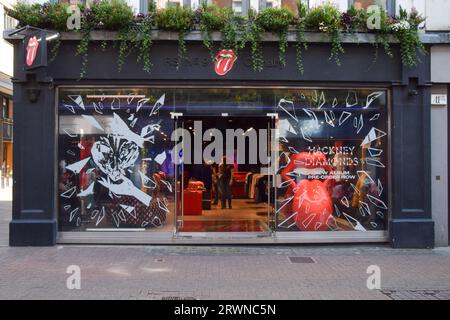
[196,62]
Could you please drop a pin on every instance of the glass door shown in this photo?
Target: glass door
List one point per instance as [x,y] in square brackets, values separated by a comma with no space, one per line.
[179,174]
[231,189]
[273,169]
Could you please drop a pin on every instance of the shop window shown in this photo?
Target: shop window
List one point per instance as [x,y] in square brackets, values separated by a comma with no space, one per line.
[333,160]
[6,107]
[329,168]
[113,162]
[292,4]
[11,110]
[160,4]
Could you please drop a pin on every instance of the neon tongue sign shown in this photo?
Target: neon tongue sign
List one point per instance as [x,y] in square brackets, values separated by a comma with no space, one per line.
[224,61]
[32,47]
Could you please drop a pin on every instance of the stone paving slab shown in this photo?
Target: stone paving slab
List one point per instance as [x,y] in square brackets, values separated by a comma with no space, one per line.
[142,273]
[220,272]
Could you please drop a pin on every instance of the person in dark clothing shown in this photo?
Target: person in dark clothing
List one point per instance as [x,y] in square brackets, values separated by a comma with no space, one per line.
[225,181]
[215,182]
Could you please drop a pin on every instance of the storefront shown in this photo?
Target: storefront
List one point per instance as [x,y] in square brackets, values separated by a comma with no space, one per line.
[340,154]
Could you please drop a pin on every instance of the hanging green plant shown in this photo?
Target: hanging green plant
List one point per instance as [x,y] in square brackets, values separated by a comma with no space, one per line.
[115,15]
[54,49]
[234,33]
[179,19]
[55,15]
[382,35]
[327,18]
[254,36]
[211,18]
[87,25]
[302,44]
[125,36]
[135,33]
[406,30]
[27,14]
[104,45]
[112,14]
[354,20]
[277,20]
[145,27]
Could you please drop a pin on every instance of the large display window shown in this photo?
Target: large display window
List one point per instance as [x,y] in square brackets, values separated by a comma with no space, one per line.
[324,167]
[114,169]
[333,160]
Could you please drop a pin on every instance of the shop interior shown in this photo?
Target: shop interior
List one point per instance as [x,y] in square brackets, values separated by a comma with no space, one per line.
[202,205]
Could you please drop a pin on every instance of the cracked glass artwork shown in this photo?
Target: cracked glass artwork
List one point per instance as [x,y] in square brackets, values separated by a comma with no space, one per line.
[118,168]
[115,169]
[333,152]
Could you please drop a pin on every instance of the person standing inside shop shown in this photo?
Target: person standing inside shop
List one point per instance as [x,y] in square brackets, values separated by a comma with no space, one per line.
[225,181]
[215,182]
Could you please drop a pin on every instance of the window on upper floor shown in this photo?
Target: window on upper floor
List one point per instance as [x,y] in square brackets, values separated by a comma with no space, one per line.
[6,107]
[343,5]
[8,22]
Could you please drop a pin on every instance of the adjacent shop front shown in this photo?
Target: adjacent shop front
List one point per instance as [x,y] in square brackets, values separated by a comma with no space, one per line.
[338,154]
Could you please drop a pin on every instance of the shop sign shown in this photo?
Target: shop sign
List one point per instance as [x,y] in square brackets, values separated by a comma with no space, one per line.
[225,60]
[35,47]
[32,47]
[439,99]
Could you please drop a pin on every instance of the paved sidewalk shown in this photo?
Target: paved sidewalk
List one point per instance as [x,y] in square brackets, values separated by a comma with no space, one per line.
[222,272]
[5,218]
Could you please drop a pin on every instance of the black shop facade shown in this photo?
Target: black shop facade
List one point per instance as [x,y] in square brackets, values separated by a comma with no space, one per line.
[203,151]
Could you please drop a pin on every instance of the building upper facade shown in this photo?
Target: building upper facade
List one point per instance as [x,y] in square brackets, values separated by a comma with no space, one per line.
[6,49]
[436,11]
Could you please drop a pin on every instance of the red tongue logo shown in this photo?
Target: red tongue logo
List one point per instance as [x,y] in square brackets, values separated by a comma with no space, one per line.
[224,61]
[32,47]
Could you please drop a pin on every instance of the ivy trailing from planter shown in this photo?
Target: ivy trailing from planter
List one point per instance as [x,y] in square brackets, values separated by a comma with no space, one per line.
[302,44]
[406,30]
[254,36]
[137,36]
[146,41]
[234,33]
[211,18]
[382,34]
[179,19]
[327,18]
[135,32]
[277,20]
[87,25]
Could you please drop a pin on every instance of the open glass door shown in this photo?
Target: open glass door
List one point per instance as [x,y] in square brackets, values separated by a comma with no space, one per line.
[230,190]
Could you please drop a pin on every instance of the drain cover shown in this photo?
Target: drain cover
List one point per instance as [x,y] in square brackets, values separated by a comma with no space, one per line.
[301,260]
[177,298]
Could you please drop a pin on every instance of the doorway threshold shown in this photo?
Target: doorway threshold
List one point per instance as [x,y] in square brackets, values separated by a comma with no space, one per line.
[223,235]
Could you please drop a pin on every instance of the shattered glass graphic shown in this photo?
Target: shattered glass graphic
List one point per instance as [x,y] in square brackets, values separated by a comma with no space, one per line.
[332,161]
[114,160]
